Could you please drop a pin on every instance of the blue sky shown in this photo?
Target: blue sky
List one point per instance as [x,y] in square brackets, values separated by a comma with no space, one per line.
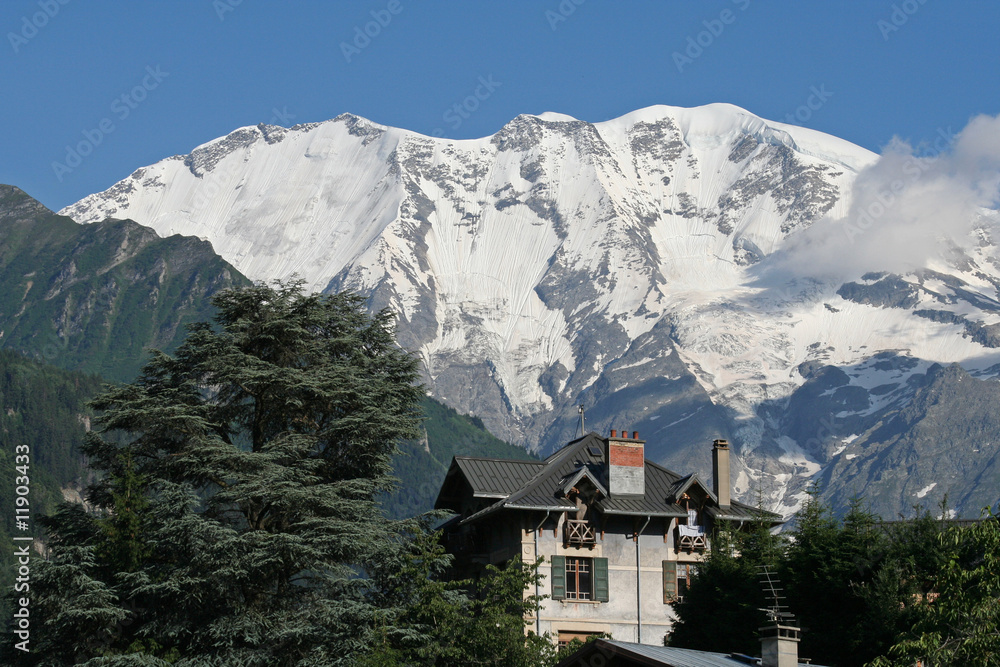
[135,82]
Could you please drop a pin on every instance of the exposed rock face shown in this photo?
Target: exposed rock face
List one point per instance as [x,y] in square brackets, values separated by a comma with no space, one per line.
[560,263]
[96,297]
[943,444]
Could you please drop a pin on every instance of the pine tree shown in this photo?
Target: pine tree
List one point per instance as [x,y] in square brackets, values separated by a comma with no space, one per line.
[239,493]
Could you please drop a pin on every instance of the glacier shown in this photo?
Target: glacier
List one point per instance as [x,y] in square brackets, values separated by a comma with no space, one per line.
[614,265]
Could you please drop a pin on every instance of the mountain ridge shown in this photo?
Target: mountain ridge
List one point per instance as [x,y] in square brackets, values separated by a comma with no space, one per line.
[560,263]
[93,297]
[97,297]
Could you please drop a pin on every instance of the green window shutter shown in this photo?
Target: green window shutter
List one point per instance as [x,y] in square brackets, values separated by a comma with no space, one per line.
[558,577]
[601,579]
[669,580]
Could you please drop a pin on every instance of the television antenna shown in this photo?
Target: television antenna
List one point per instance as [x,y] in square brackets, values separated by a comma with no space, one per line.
[777,612]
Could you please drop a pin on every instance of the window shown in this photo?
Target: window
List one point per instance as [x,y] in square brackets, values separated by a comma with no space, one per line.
[684,573]
[579,579]
[566,636]
[579,582]
[677,580]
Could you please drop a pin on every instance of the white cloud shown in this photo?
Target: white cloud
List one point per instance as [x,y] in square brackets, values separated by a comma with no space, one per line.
[907,208]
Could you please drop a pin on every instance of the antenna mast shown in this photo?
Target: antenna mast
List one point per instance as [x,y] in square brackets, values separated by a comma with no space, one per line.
[776,611]
[583,425]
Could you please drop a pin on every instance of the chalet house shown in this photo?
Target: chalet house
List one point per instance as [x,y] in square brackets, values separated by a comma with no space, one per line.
[619,535]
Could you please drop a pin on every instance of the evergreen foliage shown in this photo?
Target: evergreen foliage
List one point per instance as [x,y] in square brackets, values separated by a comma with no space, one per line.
[43,408]
[854,584]
[241,503]
[442,626]
[958,623]
[726,593]
[830,574]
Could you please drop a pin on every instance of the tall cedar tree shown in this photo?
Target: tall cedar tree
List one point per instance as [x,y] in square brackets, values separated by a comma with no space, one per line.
[239,483]
[443,627]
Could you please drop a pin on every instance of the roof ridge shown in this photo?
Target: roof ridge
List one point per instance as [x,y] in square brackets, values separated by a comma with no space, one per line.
[490,458]
[571,443]
[550,464]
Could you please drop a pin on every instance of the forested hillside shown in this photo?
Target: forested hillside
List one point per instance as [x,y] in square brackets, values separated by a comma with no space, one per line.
[95,297]
[421,465]
[43,407]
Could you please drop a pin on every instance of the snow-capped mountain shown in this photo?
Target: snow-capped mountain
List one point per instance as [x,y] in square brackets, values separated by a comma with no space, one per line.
[613,265]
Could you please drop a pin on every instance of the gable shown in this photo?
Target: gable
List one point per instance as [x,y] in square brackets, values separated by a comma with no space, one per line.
[544,485]
[483,478]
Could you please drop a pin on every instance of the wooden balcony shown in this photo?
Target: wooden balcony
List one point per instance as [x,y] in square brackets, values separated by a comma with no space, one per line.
[691,539]
[579,533]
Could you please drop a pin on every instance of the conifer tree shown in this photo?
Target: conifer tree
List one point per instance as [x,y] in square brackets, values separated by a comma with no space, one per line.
[726,592]
[239,487]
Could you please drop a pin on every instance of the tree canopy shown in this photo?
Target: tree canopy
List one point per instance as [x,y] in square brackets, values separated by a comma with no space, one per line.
[238,493]
[958,620]
[864,591]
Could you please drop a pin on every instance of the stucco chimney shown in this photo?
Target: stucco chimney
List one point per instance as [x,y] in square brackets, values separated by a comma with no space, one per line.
[779,646]
[720,472]
[626,465]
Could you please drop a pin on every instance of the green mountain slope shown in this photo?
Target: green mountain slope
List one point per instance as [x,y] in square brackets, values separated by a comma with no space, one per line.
[421,465]
[94,297]
[43,408]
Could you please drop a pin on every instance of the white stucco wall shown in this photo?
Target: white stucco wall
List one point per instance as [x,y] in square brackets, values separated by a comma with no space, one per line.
[618,616]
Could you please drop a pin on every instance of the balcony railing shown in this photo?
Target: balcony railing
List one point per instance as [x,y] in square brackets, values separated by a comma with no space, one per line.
[578,532]
[691,538]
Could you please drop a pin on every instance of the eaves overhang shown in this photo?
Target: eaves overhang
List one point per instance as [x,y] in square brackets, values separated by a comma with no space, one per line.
[667,513]
[769,517]
[496,507]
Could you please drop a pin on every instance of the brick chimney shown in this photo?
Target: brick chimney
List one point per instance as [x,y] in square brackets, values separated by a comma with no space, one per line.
[626,464]
[779,646]
[720,472]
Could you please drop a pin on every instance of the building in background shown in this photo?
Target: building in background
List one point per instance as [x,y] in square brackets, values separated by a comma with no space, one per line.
[619,536]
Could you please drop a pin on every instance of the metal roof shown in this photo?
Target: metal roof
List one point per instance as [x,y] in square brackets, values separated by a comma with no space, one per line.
[738,512]
[665,656]
[540,485]
[496,477]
